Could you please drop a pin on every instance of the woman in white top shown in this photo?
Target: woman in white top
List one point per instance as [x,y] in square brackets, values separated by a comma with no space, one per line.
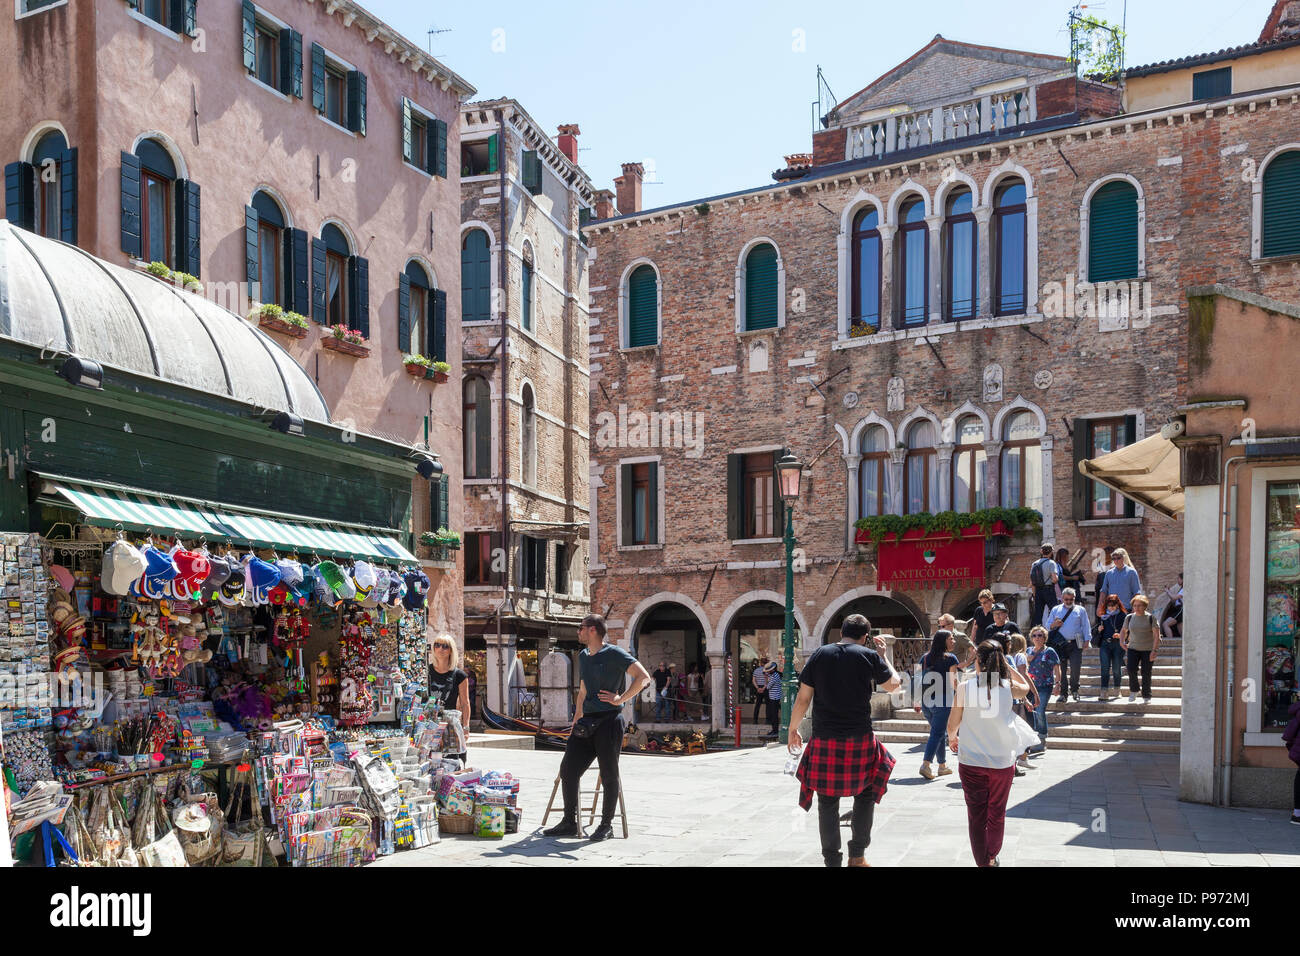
[989,735]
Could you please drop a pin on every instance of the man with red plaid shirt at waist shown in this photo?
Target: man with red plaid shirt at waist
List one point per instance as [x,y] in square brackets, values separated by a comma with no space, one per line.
[843,758]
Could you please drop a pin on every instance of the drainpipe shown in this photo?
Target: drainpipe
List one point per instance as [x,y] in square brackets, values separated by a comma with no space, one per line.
[1230,632]
[503,456]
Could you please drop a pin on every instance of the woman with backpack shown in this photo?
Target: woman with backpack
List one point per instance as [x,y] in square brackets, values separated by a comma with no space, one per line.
[938,681]
[989,742]
[1140,638]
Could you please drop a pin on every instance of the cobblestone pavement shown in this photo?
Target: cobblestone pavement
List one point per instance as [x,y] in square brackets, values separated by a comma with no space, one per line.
[739,808]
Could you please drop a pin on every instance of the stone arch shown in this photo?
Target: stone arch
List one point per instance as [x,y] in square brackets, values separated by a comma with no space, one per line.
[342,227]
[959,178]
[278,198]
[668,597]
[854,206]
[1007,170]
[39,130]
[915,415]
[735,607]
[866,590]
[908,188]
[1085,218]
[427,266]
[1019,403]
[851,447]
[961,411]
[167,143]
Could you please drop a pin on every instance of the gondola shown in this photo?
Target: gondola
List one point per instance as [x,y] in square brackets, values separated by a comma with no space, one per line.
[545,738]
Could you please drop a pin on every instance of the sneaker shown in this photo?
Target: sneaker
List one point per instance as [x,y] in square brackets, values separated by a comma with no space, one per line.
[926,772]
[1295,818]
[1146,700]
[1132,698]
[565,828]
[944,770]
[602,832]
[1024,764]
[1019,772]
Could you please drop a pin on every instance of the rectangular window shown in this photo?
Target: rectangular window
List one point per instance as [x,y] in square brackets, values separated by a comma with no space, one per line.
[30,6]
[758,492]
[336,272]
[419,319]
[534,563]
[155,10]
[268,54]
[1282,566]
[484,562]
[639,487]
[562,557]
[419,141]
[269,249]
[474,159]
[48,203]
[336,84]
[1212,83]
[1104,436]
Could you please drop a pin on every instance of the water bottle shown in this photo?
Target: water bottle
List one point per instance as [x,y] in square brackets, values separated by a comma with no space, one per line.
[792,762]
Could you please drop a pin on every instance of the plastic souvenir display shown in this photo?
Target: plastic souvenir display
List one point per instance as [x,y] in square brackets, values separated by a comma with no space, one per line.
[1283,562]
[1280,616]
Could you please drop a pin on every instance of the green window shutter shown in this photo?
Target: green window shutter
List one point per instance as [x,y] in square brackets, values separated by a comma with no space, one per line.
[584,217]
[68,195]
[131,229]
[1212,83]
[20,197]
[438,154]
[642,308]
[492,154]
[760,288]
[652,521]
[440,503]
[250,37]
[628,520]
[475,277]
[407,146]
[357,102]
[1281,220]
[735,496]
[1080,487]
[438,326]
[404,312]
[188,256]
[532,171]
[291,62]
[359,294]
[252,262]
[318,78]
[526,297]
[1113,233]
[296,257]
[319,313]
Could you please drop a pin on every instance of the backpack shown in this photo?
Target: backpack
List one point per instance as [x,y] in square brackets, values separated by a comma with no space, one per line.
[1037,577]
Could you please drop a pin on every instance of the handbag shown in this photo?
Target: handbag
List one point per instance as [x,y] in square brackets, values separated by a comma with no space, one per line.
[585,727]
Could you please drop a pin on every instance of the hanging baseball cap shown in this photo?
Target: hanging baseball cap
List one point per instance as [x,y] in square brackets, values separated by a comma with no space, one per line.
[339,583]
[396,588]
[161,570]
[363,576]
[124,563]
[231,592]
[290,571]
[193,569]
[218,574]
[417,585]
[262,576]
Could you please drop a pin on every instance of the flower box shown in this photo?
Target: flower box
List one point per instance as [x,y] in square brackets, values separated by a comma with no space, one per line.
[434,374]
[272,324]
[415,369]
[862,536]
[347,348]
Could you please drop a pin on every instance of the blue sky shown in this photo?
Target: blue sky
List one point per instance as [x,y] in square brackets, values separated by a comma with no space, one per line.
[711,95]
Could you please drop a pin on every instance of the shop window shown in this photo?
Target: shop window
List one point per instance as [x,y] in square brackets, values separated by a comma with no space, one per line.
[752,509]
[1281,597]
[873,473]
[484,560]
[913,264]
[969,464]
[1022,462]
[864,309]
[921,474]
[1009,248]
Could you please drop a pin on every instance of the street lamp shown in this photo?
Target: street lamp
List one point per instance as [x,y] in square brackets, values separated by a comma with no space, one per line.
[788,474]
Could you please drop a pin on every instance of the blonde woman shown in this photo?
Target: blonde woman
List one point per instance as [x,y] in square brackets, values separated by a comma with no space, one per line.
[448,684]
[1140,638]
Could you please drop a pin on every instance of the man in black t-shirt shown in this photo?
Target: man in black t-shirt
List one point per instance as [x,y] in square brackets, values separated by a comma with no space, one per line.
[843,758]
[1001,622]
[661,676]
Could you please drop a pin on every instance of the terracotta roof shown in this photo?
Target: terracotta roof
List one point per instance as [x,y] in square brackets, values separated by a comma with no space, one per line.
[1198,59]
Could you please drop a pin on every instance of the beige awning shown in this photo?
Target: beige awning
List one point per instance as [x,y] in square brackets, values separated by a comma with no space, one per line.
[1148,472]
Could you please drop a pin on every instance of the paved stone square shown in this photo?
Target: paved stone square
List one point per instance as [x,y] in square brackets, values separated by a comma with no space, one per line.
[739,808]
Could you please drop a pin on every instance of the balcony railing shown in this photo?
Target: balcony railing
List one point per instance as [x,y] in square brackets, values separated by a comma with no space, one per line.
[988,114]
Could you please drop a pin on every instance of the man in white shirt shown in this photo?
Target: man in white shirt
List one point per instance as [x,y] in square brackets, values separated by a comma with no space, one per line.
[1070,620]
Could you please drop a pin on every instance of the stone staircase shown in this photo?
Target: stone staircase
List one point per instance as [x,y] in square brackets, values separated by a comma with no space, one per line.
[1090,724]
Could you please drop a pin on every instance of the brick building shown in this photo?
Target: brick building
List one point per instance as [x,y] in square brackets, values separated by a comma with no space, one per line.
[525,407]
[284,152]
[975,281]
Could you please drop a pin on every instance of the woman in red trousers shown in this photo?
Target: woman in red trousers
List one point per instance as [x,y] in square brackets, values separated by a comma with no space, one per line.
[989,735]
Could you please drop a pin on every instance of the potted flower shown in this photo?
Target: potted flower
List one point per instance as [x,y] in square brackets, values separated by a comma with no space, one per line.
[187,282]
[438,371]
[339,338]
[159,270]
[274,319]
[858,329]
[448,539]
[416,364]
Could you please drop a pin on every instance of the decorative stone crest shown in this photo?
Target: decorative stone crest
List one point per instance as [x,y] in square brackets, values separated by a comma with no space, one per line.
[993,383]
[894,395]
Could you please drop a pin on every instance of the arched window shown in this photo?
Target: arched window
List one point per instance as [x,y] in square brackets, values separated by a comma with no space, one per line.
[270,249]
[421,307]
[761,287]
[475,277]
[960,258]
[157,178]
[528,438]
[1280,225]
[921,480]
[873,472]
[1009,248]
[1113,233]
[913,264]
[1022,465]
[337,252]
[526,290]
[47,158]
[969,463]
[865,307]
[476,418]
[642,307]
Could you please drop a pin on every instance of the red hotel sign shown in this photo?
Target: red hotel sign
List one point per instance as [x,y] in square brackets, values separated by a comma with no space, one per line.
[936,563]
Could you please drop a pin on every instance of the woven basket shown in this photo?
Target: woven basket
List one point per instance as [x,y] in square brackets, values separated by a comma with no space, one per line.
[455,823]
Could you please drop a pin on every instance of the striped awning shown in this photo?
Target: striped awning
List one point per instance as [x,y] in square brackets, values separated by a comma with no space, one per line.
[107,506]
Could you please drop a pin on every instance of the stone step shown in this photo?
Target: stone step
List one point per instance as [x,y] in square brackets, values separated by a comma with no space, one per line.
[1096,742]
[1137,717]
[1094,729]
[1090,705]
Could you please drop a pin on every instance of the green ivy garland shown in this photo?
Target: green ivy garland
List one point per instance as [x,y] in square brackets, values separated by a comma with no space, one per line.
[950,522]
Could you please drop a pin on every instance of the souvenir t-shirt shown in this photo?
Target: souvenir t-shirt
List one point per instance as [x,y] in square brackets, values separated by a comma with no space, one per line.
[417,585]
[1042,665]
[843,678]
[444,688]
[604,670]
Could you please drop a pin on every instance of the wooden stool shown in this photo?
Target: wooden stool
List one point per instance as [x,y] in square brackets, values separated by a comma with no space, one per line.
[595,800]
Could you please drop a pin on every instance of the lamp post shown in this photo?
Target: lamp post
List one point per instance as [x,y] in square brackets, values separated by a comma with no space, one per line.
[788,473]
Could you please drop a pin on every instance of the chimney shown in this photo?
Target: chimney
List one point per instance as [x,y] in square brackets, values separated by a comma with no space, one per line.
[798,160]
[629,189]
[604,204]
[567,140]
